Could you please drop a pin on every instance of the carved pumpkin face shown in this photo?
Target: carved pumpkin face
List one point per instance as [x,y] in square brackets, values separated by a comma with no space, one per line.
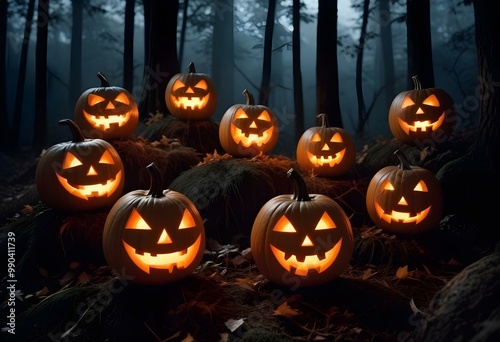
[154,236]
[422,115]
[247,130]
[191,95]
[301,239]
[106,112]
[404,199]
[326,151]
[80,175]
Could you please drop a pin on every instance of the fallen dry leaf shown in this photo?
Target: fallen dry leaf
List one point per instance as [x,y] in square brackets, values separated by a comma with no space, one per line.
[286,311]
[402,272]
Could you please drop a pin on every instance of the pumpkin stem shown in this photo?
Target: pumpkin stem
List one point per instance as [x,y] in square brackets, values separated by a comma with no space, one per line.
[155,187]
[76,132]
[249,96]
[191,68]
[323,120]
[416,82]
[104,81]
[299,186]
[404,164]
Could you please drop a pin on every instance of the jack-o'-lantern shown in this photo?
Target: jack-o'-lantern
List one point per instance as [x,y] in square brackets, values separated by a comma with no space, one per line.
[81,174]
[326,151]
[154,236]
[422,116]
[191,95]
[248,129]
[301,240]
[404,199]
[106,112]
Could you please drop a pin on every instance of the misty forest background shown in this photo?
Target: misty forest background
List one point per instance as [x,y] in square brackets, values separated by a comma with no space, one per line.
[54,49]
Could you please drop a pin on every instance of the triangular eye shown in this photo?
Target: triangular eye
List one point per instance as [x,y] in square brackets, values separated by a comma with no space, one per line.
[135,221]
[407,102]
[122,98]
[432,100]
[264,116]
[187,220]
[202,85]
[177,84]
[240,114]
[387,186]
[336,138]
[325,222]
[316,138]
[95,99]
[284,226]
[70,161]
[106,158]
[421,187]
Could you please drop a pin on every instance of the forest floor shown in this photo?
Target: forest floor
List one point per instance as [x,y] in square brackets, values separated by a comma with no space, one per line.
[65,291]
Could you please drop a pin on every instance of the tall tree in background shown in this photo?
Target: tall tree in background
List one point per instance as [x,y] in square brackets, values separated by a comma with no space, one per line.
[223,53]
[128,46]
[21,77]
[268,51]
[298,99]
[182,38]
[75,66]
[327,72]
[466,180]
[160,26]
[40,124]
[387,72]
[418,31]
[362,113]
[4,121]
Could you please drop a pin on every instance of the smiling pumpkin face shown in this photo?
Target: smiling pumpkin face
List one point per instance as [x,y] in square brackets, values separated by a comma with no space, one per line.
[301,240]
[106,112]
[154,236]
[191,95]
[422,115]
[404,199]
[81,174]
[248,129]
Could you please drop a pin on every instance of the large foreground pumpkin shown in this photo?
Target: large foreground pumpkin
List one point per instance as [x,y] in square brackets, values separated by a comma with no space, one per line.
[300,240]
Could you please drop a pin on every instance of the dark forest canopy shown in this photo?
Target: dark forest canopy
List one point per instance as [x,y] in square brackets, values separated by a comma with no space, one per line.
[102,50]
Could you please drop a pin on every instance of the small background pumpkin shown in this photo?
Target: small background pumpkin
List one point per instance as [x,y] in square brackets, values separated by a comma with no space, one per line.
[106,112]
[326,151]
[422,116]
[248,129]
[191,95]
[81,174]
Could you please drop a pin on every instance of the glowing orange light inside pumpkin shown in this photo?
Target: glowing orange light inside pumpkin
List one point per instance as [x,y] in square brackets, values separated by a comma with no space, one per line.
[105,119]
[310,262]
[248,139]
[423,125]
[165,261]
[189,99]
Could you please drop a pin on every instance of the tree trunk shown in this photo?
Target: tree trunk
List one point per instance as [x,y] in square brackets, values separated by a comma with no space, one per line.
[467,180]
[75,69]
[268,51]
[160,20]
[327,72]
[40,122]
[4,118]
[359,69]
[418,31]
[223,55]
[183,30]
[297,75]
[128,46]
[387,63]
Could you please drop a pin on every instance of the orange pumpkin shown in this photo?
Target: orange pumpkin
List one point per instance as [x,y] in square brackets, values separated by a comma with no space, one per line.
[404,199]
[154,236]
[81,174]
[326,151]
[422,116]
[191,95]
[248,129]
[106,112]
[301,239]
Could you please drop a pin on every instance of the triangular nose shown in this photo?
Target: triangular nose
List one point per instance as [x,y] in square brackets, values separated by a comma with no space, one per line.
[420,111]
[307,242]
[402,201]
[91,172]
[325,147]
[189,90]
[164,238]
[253,125]
[110,105]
